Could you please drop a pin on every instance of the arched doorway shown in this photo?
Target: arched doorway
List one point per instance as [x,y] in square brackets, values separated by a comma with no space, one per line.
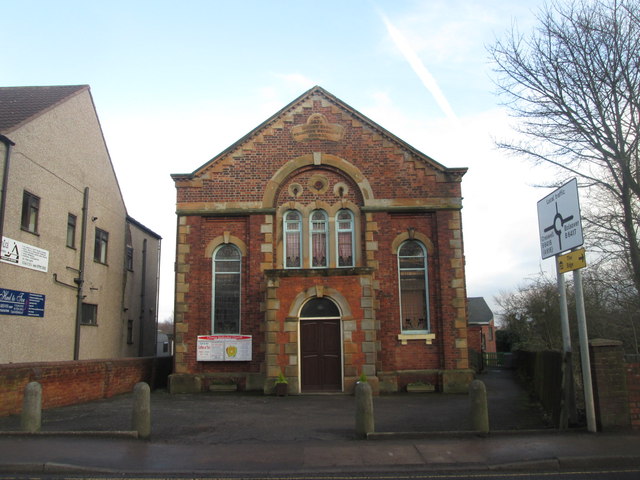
[320,346]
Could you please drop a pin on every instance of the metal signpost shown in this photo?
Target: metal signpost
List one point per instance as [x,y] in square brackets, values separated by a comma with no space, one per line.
[560,228]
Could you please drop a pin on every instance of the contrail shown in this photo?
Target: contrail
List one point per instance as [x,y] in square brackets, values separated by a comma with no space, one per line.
[418,67]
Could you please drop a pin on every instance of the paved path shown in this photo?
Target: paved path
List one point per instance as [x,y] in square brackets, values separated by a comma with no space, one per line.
[236,434]
[213,418]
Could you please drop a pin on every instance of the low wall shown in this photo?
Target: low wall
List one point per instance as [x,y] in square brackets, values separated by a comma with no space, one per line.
[71,382]
[610,386]
[543,372]
[616,382]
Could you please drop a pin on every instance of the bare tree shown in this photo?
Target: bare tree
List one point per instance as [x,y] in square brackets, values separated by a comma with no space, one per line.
[166,325]
[529,317]
[574,86]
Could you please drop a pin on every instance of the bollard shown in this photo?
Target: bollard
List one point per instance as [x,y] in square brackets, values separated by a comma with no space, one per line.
[31,419]
[479,408]
[364,410]
[141,418]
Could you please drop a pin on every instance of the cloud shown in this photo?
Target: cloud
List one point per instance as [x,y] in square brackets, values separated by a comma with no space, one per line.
[499,213]
[419,68]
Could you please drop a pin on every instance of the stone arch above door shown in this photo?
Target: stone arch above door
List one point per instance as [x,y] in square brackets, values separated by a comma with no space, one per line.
[320,291]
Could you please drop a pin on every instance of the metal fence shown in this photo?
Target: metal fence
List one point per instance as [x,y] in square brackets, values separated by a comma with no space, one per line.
[497,359]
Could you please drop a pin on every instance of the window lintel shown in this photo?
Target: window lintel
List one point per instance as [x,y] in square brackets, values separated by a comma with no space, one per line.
[318,272]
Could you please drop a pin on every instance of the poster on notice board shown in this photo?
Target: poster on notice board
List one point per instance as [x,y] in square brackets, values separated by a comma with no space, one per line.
[224,348]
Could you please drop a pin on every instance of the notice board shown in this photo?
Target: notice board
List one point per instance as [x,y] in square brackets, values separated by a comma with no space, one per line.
[24,304]
[224,348]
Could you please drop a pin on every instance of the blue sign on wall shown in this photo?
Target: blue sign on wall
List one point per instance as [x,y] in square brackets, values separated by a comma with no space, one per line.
[25,304]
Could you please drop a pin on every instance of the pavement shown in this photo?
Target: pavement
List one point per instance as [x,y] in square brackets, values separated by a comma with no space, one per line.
[245,434]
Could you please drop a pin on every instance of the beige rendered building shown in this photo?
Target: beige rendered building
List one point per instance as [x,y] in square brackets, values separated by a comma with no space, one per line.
[78,276]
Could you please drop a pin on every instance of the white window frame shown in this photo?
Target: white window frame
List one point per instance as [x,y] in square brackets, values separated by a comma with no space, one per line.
[351,231]
[424,269]
[285,223]
[313,232]
[213,287]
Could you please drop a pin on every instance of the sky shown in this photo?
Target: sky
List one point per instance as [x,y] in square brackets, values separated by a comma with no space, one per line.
[175,83]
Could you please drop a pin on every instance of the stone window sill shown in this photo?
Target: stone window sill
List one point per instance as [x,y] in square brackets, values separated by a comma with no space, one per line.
[427,337]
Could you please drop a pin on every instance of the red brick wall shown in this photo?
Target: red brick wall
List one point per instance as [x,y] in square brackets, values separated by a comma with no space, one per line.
[474,338]
[203,230]
[633,385]
[374,168]
[245,172]
[68,383]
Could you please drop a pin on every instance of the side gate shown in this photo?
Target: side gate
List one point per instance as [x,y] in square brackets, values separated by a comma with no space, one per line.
[497,359]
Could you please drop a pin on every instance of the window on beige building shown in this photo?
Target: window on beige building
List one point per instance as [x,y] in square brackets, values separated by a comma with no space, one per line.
[30,209]
[101,246]
[89,314]
[71,231]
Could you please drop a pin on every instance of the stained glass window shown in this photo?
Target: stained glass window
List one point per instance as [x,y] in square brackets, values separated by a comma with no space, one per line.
[226,289]
[414,300]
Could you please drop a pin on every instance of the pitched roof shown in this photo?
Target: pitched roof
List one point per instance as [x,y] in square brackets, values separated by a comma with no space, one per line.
[317,90]
[19,105]
[479,311]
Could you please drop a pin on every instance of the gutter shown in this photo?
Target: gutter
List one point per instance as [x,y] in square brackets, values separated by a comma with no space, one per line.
[143,288]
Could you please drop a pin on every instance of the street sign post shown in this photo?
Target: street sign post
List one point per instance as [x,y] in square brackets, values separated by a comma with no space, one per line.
[560,229]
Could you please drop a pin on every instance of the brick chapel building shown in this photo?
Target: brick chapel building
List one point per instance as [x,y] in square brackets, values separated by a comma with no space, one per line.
[320,247]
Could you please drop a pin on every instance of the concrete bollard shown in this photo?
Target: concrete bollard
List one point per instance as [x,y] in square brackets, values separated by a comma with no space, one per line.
[364,410]
[141,418]
[31,418]
[479,407]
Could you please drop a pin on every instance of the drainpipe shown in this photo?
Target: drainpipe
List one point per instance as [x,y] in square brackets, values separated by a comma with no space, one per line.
[80,280]
[142,298]
[5,180]
[155,330]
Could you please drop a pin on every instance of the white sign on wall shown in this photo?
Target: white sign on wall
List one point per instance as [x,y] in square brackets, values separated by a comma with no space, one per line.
[24,255]
[224,348]
[559,221]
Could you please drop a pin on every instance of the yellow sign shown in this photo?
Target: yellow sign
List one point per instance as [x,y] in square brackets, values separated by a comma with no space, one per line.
[572,261]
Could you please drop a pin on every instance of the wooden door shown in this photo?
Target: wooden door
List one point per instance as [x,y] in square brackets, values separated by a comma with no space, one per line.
[321,355]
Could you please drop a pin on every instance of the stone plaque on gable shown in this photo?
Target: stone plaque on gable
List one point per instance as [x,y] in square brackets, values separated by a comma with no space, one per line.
[317,128]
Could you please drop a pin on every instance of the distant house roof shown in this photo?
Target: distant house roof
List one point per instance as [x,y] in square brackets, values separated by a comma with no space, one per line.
[143,227]
[19,105]
[479,311]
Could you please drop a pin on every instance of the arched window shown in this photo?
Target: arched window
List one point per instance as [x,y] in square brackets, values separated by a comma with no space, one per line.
[227,261]
[319,308]
[414,287]
[344,238]
[292,239]
[319,235]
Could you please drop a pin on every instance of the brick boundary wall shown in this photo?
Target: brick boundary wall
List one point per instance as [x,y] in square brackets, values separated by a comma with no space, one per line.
[72,382]
[633,384]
